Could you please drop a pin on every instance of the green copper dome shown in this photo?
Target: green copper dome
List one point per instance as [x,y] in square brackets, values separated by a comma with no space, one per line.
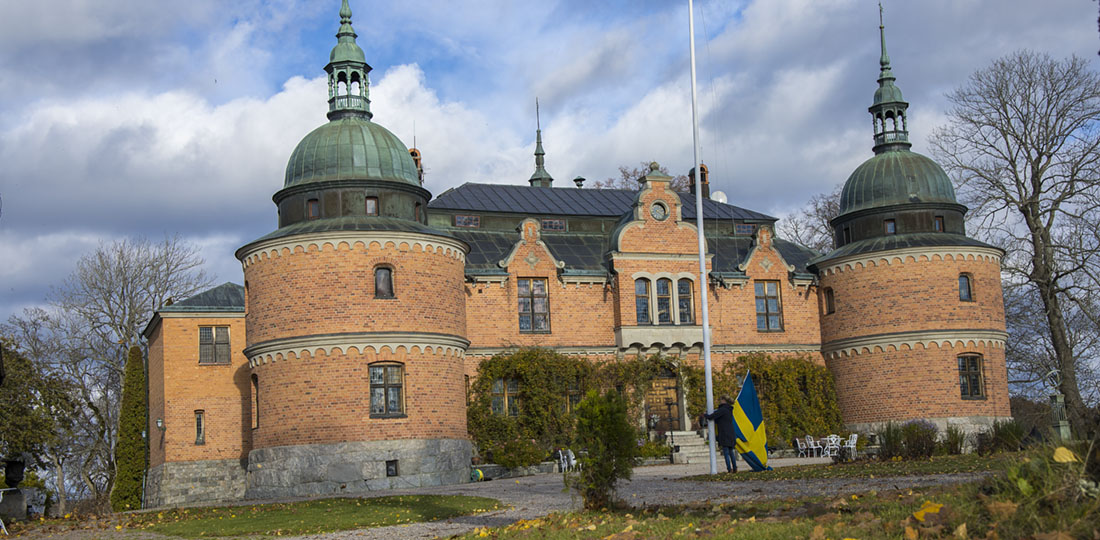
[896,177]
[351,147]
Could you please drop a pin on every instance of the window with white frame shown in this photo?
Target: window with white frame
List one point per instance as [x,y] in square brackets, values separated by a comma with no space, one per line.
[668,302]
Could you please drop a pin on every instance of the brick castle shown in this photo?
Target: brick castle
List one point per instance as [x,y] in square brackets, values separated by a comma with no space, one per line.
[342,364]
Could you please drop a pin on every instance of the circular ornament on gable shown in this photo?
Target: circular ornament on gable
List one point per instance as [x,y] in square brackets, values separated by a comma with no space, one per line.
[658,210]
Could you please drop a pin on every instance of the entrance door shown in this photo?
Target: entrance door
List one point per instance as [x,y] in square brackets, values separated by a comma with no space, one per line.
[662,403]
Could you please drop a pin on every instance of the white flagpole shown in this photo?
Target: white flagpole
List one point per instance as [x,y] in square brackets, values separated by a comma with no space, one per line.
[702,240]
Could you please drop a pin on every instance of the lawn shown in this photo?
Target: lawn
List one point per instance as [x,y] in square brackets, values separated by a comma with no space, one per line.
[309,517]
[967,463]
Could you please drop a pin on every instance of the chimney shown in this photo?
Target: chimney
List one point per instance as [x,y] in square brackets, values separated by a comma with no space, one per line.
[579,181]
[705,182]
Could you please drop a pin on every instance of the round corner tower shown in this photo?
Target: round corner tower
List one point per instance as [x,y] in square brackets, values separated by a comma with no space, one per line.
[355,315]
[914,323]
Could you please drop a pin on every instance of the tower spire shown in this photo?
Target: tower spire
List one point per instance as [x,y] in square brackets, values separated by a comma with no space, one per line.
[889,108]
[540,178]
[347,70]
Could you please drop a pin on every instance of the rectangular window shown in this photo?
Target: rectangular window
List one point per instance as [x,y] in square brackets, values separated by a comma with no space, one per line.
[573,397]
[472,222]
[830,301]
[769,311]
[965,292]
[890,227]
[505,397]
[534,305]
[200,427]
[744,229]
[553,224]
[641,300]
[371,206]
[937,224]
[387,383]
[391,467]
[213,344]
[847,235]
[664,301]
[255,402]
[684,299]
[971,383]
[313,209]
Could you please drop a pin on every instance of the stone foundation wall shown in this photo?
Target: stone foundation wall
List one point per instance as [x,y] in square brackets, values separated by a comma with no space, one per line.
[185,482]
[968,424]
[355,467]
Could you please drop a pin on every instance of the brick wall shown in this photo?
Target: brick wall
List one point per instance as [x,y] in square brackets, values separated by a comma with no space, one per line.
[179,386]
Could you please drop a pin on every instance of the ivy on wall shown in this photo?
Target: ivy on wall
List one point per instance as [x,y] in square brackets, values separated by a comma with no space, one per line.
[797,395]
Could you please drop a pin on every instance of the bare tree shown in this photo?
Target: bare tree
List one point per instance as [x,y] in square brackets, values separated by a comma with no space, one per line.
[1023,147]
[93,318]
[810,225]
[630,178]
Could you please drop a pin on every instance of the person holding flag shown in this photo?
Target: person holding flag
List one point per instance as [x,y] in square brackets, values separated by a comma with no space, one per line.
[748,426]
[724,431]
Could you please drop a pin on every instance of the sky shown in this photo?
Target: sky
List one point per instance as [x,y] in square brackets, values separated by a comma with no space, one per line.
[125,118]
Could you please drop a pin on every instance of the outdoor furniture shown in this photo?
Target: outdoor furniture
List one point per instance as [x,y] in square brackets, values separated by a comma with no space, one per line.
[802,448]
[2,527]
[567,460]
[851,445]
[815,448]
[832,445]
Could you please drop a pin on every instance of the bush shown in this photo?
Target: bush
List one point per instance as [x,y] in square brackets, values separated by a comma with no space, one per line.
[920,439]
[890,442]
[606,438]
[518,453]
[130,448]
[653,449]
[954,439]
[1008,436]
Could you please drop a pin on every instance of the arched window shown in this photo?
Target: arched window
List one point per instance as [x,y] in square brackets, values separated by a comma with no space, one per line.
[641,300]
[684,301]
[830,301]
[387,389]
[313,209]
[255,401]
[371,206]
[966,294]
[383,282]
[664,301]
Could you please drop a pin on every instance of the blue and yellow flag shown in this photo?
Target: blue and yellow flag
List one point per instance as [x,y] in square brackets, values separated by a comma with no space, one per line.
[748,425]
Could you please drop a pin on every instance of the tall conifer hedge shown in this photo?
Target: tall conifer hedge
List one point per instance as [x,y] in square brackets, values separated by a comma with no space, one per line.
[130,449]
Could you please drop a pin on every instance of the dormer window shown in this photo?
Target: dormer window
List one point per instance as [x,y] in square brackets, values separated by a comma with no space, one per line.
[937,224]
[370,206]
[890,227]
[313,209]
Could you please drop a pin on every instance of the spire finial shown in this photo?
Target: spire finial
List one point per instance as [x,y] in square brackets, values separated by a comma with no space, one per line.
[884,60]
[540,178]
[888,108]
[347,70]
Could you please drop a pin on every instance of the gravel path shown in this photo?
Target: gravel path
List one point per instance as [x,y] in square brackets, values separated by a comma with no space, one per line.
[535,496]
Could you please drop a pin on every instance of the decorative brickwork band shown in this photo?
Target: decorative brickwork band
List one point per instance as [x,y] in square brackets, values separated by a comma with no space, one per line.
[359,240]
[910,340]
[902,256]
[281,349]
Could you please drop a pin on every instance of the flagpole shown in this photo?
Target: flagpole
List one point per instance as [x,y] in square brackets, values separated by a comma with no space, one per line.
[702,240]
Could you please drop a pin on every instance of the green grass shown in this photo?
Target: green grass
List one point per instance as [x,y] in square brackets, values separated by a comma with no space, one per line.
[309,517]
[967,463]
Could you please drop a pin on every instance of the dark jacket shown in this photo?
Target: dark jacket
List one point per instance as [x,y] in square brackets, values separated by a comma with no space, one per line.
[723,425]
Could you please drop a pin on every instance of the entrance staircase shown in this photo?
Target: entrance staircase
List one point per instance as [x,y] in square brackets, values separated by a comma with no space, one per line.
[694,447]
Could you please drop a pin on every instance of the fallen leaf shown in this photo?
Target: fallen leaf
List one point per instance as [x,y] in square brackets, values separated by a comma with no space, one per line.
[929,507]
[1001,510]
[1056,535]
[960,532]
[818,533]
[911,533]
[1064,455]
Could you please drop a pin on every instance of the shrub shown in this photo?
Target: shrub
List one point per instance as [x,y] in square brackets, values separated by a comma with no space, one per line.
[1008,436]
[130,448]
[890,441]
[606,438]
[653,449]
[920,439]
[954,439]
[518,453]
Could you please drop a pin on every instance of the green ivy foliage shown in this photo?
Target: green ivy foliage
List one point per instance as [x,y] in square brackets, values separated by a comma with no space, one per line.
[607,438]
[797,395]
[130,448]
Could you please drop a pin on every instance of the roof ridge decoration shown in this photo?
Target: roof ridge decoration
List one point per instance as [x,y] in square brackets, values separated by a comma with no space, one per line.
[348,82]
[540,178]
[888,108]
[530,232]
[762,238]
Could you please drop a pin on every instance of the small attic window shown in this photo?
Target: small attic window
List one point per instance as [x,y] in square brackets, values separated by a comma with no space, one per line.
[370,206]
[744,229]
[937,224]
[472,222]
[890,227]
[553,224]
[313,209]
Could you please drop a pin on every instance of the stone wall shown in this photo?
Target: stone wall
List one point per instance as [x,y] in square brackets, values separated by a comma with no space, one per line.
[185,482]
[356,467]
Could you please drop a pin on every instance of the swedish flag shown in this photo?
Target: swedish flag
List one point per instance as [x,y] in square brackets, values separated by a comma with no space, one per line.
[748,425]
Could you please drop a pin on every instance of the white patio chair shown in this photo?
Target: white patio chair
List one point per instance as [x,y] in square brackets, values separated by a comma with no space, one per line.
[802,448]
[815,448]
[851,445]
[832,445]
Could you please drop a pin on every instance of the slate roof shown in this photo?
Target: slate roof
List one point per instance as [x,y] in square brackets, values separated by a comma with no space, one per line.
[899,241]
[227,297]
[581,253]
[730,251]
[570,202]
